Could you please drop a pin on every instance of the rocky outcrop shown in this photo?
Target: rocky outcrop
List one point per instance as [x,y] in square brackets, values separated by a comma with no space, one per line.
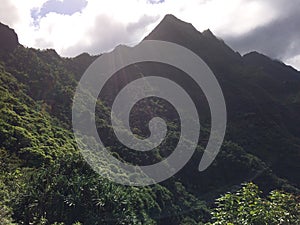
[8,39]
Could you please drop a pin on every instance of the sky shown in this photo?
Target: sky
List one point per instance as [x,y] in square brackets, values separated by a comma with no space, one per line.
[72,27]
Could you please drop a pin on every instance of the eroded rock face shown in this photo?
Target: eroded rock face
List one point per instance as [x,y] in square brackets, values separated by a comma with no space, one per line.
[8,38]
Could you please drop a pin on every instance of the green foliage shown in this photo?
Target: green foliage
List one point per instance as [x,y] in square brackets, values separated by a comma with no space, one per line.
[44,180]
[26,128]
[246,206]
[68,191]
[5,215]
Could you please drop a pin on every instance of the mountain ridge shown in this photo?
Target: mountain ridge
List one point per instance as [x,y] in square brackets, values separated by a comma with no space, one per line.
[169,19]
[228,66]
[43,177]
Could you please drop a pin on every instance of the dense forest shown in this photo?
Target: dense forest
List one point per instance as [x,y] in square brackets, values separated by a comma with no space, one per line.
[44,179]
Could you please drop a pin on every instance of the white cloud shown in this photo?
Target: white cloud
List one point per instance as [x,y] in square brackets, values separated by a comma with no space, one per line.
[294,61]
[99,27]
[8,13]
[103,24]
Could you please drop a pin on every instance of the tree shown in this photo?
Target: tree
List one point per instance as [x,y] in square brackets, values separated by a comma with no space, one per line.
[246,206]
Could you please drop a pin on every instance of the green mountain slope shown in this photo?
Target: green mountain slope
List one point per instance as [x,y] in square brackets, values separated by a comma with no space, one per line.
[260,93]
[43,178]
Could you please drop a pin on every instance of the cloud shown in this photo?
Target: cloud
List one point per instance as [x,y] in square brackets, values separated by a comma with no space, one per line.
[294,61]
[8,13]
[121,21]
[106,33]
[278,38]
[103,35]
[95,26]
[67,7]
[155,1]
[95,29]
[144,21]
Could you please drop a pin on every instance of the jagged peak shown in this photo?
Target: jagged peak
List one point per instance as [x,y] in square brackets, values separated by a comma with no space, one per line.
[205,44]
[170,19]
[84,54]
[8,38]
[254,55]
[170,16]
[51,51]
[208,33]
[169,25]
[172,23]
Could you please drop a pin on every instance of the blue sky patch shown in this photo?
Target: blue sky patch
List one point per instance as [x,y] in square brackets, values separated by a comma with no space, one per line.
[155,1]
[65,7]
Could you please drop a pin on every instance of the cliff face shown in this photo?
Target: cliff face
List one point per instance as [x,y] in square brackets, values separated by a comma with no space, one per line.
[8,38]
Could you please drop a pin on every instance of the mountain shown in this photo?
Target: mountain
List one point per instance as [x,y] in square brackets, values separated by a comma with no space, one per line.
[44,178]
[8,39]
[261,96]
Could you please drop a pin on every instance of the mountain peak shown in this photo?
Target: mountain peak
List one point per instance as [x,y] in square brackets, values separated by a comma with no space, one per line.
[205,44]
[208,33]
[170,25]
[171,18]
[8,38]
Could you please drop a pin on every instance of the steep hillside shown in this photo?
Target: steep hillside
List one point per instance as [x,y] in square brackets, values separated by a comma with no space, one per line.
[44,179]
[261,96]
